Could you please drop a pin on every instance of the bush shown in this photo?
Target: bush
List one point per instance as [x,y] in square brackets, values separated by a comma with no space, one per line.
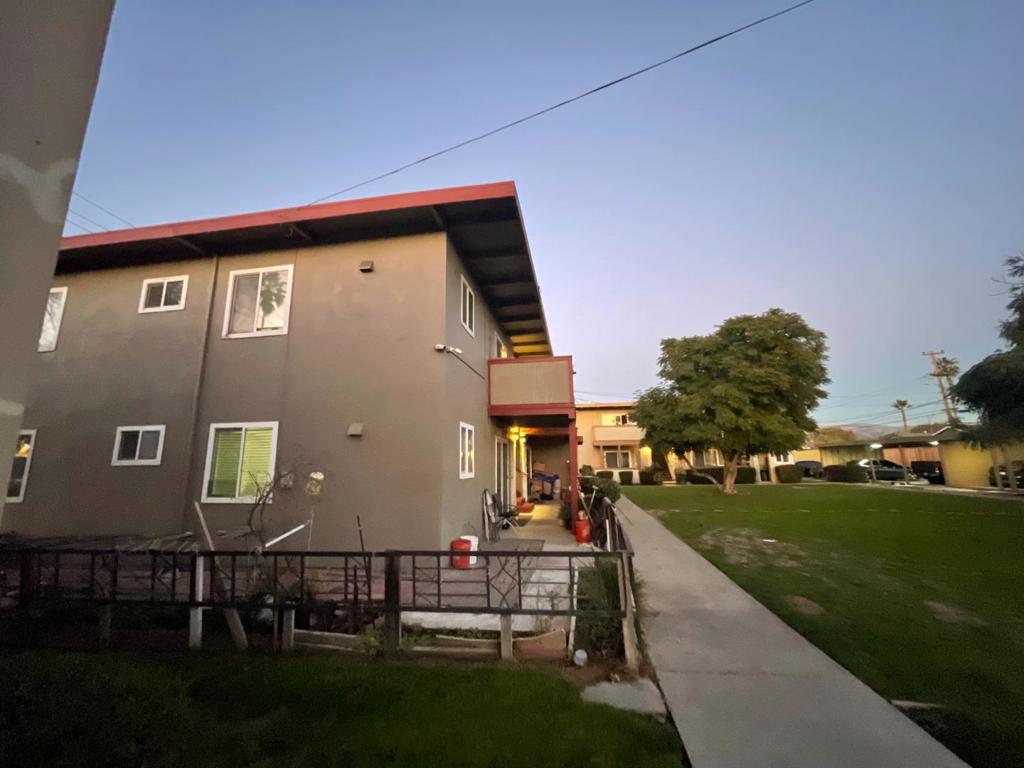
[845,473]
[649,477]
[587,470]
[598,589]
[744,475]
[788,473]
[626,477]
[606,489]
[605,474]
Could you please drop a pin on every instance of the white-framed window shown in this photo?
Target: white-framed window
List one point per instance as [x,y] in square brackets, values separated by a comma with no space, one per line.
[163,294]
[617,457]
[621,419]
[467,451]
[18,481]
[258,302]
[500,350]
[467,307]
[52,318]
[240,461]
[138,446]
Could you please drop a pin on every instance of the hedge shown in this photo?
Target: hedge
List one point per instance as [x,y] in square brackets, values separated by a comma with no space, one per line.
[845,473]
[788,473]
[744,476]
[649,477]
[604,474]
[626,477]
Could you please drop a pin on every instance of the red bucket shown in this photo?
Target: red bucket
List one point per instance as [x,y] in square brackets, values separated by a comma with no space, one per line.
[460,545]
[583,531]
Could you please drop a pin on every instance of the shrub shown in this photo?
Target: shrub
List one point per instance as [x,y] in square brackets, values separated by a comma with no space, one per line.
[649,477]
[626,477]
[587,470]
[598,589]
[788,473]
[605,474]
[845,473]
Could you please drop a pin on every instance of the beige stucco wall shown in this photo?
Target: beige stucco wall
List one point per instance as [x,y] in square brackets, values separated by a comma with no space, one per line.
[841,455]
[540,381]
[553,453]
[967,467]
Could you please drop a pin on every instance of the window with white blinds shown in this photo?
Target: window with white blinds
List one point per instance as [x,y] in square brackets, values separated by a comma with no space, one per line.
[240,461]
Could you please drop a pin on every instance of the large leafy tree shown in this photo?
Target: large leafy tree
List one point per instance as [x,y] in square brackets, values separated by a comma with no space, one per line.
[994,388]
[747,388]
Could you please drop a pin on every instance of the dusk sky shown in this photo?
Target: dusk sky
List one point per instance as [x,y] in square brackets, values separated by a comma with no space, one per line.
[860,162]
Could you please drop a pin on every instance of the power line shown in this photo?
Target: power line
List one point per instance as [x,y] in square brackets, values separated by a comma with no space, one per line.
[566,102]
[105,210]
[83,217]
[75,224]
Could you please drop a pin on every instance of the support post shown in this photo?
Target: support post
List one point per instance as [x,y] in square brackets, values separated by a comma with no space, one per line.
[574,485]
[392,602]
[288,630]
[629,638]
[996,466]
[195,613]
[1011,476]
[506,637]
[105,615]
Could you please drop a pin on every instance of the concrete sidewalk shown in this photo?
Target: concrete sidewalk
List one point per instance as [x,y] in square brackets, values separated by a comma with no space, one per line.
[746,690]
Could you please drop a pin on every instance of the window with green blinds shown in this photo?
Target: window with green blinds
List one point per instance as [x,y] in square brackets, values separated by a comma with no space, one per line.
[241,461]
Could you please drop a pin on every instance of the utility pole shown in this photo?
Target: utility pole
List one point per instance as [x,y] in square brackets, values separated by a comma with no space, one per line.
[942,379]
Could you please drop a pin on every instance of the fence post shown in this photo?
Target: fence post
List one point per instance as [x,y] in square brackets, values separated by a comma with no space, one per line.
[506,637]
[288,630]
[392,601]
[629,639]
[195,614]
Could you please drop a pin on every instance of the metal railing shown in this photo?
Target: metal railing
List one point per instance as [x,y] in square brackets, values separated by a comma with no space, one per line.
[370,584]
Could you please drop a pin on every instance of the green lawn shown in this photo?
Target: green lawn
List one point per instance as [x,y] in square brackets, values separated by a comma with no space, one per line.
[63,709]
[920,595]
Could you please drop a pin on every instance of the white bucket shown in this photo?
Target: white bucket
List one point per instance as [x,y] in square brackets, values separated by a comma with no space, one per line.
[474,543]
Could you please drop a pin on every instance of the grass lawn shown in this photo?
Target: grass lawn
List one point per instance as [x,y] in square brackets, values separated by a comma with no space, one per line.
[921,595]
[64,709]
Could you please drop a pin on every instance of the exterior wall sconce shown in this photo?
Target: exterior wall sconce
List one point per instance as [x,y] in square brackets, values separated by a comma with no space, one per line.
[366,266]
[355,429]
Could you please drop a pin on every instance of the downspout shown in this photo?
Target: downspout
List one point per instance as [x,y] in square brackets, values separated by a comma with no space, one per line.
[197,395]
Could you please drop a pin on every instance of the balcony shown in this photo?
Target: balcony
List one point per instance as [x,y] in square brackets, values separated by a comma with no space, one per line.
[618,434]
[531,386]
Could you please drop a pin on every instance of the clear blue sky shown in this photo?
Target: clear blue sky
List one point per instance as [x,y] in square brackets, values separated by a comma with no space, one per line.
[858,161]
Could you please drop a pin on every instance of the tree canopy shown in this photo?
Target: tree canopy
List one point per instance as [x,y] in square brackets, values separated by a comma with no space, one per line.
[747,388]
[994,388]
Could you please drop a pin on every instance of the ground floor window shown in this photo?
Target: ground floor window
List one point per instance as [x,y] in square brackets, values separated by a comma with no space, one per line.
[617,457]
[19,469]
[467,451]
[240,460]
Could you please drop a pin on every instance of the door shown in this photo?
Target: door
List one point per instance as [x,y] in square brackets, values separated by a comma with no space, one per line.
[502,469]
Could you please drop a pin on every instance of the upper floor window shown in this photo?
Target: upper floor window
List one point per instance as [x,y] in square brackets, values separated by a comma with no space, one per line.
[620,419]
[467,308]
[138,446]
[258,302]
[467,451]
[500,350]
[163,294]
[240,460]
[19,469]
[51,319]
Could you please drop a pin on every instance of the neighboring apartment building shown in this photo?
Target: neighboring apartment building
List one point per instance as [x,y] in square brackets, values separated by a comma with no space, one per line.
[393,343]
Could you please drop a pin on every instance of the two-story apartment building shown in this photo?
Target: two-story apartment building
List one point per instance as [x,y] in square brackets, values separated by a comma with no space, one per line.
[397,344]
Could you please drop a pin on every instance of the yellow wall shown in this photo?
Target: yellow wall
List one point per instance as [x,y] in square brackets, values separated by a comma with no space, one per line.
[967,467]
[842,454]
[806,454]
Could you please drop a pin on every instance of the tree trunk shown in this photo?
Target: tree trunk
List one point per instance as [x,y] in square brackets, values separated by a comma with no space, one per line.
[699,474]
[731,469]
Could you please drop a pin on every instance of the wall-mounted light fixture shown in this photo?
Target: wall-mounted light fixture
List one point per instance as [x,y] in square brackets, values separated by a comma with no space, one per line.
[447,348]
[366,266]
[355,429]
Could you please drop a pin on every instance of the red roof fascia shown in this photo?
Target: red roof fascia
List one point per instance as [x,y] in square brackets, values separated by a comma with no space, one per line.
[291,215]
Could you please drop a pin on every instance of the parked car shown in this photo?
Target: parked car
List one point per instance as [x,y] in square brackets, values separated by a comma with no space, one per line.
[810,468]
[884,469]
[930,471]
[1004,476]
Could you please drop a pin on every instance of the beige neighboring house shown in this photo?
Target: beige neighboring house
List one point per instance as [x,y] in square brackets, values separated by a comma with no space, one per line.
[397,344]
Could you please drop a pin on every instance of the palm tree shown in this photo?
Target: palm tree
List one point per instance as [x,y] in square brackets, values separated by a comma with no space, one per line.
[901,406]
